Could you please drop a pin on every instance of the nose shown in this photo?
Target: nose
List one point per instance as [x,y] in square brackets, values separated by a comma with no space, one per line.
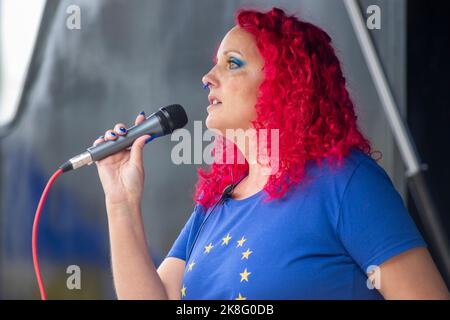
[209,80]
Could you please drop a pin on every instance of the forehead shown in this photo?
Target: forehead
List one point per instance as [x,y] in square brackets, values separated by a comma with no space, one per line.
[240,40]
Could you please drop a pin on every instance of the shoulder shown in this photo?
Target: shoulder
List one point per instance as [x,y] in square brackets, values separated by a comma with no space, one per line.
[333,178]
[360,180]
[356,162]
[327,187]
[367,177]
[195,219]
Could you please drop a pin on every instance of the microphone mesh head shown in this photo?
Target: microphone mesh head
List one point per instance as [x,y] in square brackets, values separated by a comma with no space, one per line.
[176,116]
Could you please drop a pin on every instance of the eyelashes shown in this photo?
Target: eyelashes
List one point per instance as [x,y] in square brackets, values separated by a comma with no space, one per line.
[234,63]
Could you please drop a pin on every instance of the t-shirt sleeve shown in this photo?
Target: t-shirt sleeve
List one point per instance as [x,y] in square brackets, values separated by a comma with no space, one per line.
[374,224]
[183,242]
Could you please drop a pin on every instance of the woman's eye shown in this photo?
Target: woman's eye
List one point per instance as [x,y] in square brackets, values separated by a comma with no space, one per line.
[234,63]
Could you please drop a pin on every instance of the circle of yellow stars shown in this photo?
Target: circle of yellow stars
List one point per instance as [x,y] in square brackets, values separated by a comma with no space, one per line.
[245,274]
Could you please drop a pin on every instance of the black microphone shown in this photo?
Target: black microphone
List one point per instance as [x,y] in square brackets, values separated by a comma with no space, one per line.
[164,121]
[228,191]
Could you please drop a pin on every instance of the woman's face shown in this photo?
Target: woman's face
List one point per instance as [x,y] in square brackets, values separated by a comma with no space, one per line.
[234,81]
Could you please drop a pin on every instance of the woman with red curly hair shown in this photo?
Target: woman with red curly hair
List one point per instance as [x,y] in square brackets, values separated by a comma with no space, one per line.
[319,220]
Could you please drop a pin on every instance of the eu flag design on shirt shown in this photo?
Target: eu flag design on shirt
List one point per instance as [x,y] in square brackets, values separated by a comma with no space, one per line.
[317,242]
[222,247]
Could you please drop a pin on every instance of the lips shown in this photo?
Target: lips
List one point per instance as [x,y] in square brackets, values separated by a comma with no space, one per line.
[214,100]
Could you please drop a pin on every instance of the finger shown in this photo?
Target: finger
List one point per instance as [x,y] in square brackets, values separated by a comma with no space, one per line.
[120,129]
[110,135]
[140,118]
[136,150]
[98,141]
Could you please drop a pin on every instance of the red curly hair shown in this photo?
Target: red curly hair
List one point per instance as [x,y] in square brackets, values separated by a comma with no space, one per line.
[303,95]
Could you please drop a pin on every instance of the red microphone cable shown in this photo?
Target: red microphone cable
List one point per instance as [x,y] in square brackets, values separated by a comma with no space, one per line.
[35,231]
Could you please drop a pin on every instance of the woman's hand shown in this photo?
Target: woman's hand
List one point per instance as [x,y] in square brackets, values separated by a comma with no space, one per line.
[122,174]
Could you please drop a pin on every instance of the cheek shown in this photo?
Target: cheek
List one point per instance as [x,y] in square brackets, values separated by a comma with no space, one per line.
[243,92]
[240,93]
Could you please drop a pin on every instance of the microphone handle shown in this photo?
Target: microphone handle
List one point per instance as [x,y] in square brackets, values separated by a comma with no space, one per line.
[154,125]
[151,126]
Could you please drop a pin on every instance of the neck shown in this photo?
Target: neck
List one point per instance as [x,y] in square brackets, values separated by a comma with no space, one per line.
[258,173]
[256,176]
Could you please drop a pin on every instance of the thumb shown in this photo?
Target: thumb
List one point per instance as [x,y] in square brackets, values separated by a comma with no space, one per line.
[136,150]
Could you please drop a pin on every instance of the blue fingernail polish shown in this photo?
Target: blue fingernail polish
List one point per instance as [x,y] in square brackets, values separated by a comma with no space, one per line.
[112,133]
[122,129]
[142,113]
[205,86]
[148,140]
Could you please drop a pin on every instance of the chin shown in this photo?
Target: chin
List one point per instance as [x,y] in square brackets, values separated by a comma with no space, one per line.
[212,125]
[215,125]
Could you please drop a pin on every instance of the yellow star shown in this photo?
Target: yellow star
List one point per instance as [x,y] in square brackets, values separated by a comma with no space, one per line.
[241,297]
[226,239]
[244,275]
[246,254]
[241,242]
[208,248]
[183,291]
[191,265]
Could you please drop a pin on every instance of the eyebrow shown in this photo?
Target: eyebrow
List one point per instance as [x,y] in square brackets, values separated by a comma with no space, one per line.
[226,52]
[235,51]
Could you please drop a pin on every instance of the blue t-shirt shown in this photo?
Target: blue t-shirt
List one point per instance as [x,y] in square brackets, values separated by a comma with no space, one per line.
[317,242]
